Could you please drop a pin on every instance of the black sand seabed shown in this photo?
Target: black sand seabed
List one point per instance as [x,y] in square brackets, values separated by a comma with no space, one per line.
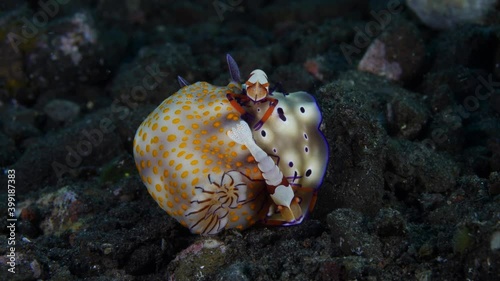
[411,115]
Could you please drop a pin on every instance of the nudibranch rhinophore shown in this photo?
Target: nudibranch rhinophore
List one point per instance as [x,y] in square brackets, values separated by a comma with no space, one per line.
[202,163]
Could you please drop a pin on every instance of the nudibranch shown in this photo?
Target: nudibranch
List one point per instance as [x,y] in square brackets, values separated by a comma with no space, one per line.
[203,165]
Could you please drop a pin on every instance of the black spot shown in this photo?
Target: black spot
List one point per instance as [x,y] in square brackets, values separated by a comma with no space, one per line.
[305,136]
[306,149]
[281,114]
[308,172]
[303,110]
[290,164]
[258,109]
[263,133]
[274,150]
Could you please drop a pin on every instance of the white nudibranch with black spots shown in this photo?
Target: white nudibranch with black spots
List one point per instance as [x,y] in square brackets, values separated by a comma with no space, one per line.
[194,169]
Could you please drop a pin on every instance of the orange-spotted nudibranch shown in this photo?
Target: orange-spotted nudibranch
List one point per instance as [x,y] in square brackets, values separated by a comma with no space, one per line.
[202,164]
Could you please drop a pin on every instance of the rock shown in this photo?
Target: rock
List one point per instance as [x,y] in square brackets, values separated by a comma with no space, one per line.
[397,54]
[8,151]
[20,123]
[152,76]
[69,51]
[236,272]
[390,222]
[415,166]
[494,183]
[469,46]
[354,122]
[450,13]
[90,142]
[61,110]
[349,231]
[204,257]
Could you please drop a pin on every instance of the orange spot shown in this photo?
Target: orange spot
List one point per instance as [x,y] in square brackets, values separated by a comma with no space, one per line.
[235,218]
[178,111]
[155,126]
[150,181]
[155,170]
[176,120]
[158,187]
[144,136]
[165,154]
[216,124]
[189,156]
[184,174]
[166,118]
[217,108]
[164,128]
[155,153]
[147,148]
[171,138]
[194,181]
[195,126]
[250,159]
[170,204]
[143,164]
[186,107]
[165,173]
[231,144]
[178,167]
[208,162]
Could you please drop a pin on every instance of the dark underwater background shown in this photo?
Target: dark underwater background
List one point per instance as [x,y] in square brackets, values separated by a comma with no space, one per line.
[410,97]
